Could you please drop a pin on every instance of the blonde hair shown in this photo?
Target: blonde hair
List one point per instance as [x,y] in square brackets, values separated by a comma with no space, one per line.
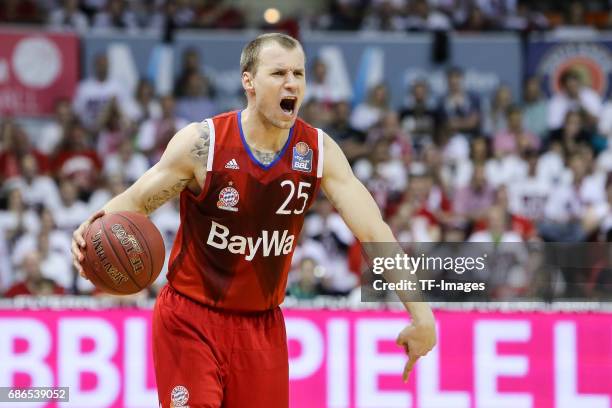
[249,58]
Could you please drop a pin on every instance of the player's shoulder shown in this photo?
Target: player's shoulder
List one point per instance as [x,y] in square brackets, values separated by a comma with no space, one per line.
[225,115]
[302,124]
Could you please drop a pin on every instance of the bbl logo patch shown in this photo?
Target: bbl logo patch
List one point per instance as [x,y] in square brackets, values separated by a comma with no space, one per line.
[228,198]
[302,157]
[179,396]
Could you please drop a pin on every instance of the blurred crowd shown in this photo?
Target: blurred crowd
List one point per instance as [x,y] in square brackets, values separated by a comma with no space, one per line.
[362,15]
[455,167]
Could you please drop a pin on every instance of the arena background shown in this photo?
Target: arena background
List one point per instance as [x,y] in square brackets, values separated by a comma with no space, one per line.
[505,156]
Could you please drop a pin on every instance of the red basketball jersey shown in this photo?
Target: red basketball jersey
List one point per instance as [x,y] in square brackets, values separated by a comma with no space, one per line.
[234,246]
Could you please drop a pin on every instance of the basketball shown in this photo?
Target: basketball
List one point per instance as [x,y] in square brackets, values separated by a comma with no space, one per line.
[124,252]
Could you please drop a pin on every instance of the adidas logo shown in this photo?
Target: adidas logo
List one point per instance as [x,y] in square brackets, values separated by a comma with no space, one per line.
[232,164]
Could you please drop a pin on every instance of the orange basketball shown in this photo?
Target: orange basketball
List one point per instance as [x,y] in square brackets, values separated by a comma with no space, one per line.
[124,252]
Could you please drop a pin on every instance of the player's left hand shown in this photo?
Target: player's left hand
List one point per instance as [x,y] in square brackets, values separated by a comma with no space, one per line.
[417,340]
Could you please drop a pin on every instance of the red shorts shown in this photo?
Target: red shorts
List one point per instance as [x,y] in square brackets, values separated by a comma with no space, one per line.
[211,358]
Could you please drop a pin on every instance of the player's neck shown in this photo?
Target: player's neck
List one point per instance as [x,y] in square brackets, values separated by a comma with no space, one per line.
[260,134]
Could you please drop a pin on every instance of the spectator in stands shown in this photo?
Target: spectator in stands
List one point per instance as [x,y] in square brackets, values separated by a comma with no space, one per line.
[114,129]
[16,219]
[54,264]
[508,276]
[599,216]
[496,9]
[497,228]
[384,15]
[476,20]
[36,189]
[307,284]
[573,95]
[523,226]
[574,14]
[59,241]
[528,196]
[192,64]
[422,17]
[111,186]
[525,18]
[424,201]
[77,160]
[116,16]
[351,140]
[500,169]
[418,115]
[91,7]
[384,176]
[503,168]
[471,203]
[33,281]
[480,150]
[93,94]
[15,145]
[592,182]
[315,113]
[431,157]
[154,134]
[410,225]
[218,14]
[535,108]
[127,163]
[170,15]
[196,102]
[320,86]
[460,109]
[52,132]
[71,212]
[344,15]
[565,207]
[327,227]
[572,134]
[145,105]
[400,142]
[19,12]
[514,139]
[69,17]
[495,118]
[368,113]
[455,164]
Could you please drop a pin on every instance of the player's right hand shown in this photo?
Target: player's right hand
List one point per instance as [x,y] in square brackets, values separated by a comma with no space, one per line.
[78,242]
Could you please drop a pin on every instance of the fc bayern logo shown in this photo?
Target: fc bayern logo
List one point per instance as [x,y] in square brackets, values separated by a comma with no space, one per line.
[302,148]
[228,198]
[179,396]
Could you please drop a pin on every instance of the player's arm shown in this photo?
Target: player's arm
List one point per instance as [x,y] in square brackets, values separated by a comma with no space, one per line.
[360,212]
[186,152]
[185,155]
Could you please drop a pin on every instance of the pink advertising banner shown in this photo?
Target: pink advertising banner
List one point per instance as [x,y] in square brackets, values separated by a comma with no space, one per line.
[337,359]
[36,70]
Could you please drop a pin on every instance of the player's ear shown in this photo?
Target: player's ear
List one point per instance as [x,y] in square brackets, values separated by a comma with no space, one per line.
[247,81]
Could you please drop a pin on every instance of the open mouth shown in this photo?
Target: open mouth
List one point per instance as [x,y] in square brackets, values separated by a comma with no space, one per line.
[287,104]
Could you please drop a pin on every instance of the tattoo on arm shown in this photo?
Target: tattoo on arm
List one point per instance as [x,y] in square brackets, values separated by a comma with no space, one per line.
[157,200]
[199,151]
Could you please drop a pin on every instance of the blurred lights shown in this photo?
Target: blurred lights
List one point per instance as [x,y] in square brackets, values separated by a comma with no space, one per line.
[272,16]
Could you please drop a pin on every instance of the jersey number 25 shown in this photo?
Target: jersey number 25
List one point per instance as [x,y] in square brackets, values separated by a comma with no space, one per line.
[301,195]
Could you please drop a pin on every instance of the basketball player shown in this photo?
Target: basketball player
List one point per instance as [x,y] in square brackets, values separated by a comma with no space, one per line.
[246,180]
